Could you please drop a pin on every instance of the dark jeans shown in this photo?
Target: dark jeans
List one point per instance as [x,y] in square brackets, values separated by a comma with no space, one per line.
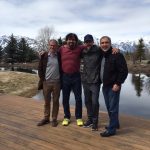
[72,82]
[91,94]
[51,91]
[112,105]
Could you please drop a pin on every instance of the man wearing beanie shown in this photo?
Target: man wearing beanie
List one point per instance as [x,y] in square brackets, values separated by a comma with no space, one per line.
[91,82]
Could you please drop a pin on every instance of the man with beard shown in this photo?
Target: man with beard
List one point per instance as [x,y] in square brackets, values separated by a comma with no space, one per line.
[71,80]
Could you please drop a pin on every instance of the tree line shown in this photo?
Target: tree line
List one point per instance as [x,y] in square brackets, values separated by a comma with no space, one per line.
[17,51]
[139,53]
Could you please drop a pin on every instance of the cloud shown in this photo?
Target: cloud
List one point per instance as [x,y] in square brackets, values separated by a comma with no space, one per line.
[120,19]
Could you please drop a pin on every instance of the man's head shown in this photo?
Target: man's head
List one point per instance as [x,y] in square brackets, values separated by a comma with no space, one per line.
[105,43]
[88,40]
[71,40]
[53,45]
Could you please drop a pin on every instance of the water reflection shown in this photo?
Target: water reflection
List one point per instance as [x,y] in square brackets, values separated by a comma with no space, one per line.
[138,82]
[147,85]
[141,82]
[134,97]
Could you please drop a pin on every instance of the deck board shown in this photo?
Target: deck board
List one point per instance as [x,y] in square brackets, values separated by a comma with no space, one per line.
[18,130]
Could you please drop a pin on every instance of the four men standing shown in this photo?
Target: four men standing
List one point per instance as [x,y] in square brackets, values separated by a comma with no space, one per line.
[99,65]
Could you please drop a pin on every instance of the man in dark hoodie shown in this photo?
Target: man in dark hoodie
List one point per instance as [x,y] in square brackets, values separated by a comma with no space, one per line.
[90,67]
[90,76]
[113,73]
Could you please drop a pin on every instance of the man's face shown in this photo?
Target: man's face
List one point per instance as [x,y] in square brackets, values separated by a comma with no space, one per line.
[105,44]
[52,46]
[71,42]
[89,44]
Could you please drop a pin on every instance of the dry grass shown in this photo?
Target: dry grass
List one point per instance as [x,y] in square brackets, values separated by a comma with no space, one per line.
[18,83]
[139,68]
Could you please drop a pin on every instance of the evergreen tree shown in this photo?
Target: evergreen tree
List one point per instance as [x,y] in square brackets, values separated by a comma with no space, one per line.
[23,50]
[140,50]
[10,51]
[31,55]
[60,42]
[1,53]
[80,42]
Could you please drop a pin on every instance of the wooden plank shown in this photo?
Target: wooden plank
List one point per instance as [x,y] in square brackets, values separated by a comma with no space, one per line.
[18,118]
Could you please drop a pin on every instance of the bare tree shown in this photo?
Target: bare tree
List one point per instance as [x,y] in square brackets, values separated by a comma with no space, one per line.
[44,35]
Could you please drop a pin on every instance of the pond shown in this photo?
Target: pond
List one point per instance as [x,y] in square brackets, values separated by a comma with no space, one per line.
[134,98]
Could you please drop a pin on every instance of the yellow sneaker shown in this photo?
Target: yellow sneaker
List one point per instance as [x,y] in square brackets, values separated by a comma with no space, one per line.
[79,122]
[66,122]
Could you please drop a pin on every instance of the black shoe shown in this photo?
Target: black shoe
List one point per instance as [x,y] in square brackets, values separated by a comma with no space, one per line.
[43,122]
[118,127]
[106,134]
[94,127]
[88,124]
[54,123]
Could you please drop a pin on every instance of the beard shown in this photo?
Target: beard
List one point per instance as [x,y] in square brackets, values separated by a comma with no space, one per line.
[72,45]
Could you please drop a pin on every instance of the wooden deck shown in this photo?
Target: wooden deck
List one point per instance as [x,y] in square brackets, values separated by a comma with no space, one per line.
[18,130]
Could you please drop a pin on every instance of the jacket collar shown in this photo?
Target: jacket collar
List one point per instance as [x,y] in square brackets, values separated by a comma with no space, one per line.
[107,53]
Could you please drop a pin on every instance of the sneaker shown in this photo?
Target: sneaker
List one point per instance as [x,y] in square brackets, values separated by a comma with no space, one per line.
[94,127]
[66,122]
[107,134]
[79,122]
[88,124]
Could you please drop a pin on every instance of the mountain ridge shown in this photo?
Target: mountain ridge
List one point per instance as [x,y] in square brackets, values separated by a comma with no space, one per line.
[122,45]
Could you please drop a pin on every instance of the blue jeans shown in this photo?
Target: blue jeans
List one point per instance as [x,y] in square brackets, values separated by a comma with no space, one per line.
[112,105]
[91,94]
[72,82]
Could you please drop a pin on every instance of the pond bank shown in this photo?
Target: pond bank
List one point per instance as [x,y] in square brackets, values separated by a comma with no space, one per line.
[133,68]
[139,68]
[25,84]
[18,83]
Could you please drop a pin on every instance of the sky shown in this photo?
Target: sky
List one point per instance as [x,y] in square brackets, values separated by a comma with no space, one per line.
[119,19]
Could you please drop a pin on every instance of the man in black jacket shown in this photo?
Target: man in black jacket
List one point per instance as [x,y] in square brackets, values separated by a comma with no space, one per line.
[113,73]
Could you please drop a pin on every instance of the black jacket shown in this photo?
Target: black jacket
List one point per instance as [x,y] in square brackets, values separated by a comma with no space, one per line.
[42,68]
[90,65]
[115,68]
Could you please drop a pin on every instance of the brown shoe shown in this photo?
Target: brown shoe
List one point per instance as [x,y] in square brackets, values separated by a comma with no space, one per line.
[43,122]
[54,123]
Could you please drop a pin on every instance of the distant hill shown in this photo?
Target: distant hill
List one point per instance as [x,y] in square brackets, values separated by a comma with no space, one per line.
[129,45]
[122,45]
